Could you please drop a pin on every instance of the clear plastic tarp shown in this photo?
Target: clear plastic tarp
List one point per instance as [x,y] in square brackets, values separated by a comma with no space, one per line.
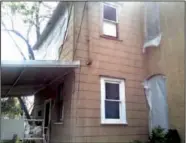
[152,25]
[155,90]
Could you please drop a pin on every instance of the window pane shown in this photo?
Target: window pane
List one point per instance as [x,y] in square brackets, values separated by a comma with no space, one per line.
[39,113]
[112,110]
[112,91]
[109,29]
[109,13]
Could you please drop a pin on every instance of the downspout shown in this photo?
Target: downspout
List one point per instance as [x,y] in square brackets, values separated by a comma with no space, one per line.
[89,61]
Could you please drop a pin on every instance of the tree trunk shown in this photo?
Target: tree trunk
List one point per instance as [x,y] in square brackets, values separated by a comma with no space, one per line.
[23,106]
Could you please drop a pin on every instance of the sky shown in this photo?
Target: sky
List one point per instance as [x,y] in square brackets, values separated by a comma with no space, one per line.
[9,50]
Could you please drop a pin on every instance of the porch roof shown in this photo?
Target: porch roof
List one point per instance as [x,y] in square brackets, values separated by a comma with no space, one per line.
[23,78]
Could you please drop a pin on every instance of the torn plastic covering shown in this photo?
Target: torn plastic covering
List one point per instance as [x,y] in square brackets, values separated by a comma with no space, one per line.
[49,50]
[155,90]
[152,25]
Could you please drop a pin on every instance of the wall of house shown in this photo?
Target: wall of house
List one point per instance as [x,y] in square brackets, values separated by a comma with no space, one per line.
[60,131]
[168,59]
[121,58]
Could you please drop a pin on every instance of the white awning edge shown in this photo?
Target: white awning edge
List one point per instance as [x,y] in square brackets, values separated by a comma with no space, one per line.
[40,63]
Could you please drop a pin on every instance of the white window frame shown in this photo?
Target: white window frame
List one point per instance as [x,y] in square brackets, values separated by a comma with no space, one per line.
[110,21]
[62,115]
[122,106]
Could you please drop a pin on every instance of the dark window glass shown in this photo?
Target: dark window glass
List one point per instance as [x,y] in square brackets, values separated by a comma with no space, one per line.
[39,113]
[59,101]
[112,109]
[112,91]
[109,13]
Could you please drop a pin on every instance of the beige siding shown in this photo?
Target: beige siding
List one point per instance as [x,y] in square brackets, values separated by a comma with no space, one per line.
[116,58]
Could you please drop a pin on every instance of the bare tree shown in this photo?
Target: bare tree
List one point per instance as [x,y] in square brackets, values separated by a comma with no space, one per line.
[31,16]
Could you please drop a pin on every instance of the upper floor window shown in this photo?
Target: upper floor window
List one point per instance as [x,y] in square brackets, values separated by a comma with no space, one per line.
[152,31]
[113,109]
[110,20]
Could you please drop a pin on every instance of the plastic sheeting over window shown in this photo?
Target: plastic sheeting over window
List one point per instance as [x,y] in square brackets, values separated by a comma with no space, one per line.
[155,90]
[152,25]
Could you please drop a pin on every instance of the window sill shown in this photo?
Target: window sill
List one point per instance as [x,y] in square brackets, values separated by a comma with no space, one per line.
[113,123]
[124,124]
[110,38]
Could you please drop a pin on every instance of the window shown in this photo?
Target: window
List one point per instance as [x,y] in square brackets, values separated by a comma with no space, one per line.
[39,113]
[110,21]
[113,109]
[60,105]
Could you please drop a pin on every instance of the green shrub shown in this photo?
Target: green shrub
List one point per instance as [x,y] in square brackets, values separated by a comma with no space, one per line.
[157,135]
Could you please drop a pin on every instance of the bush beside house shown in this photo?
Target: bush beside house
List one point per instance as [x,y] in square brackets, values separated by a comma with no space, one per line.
[158,135]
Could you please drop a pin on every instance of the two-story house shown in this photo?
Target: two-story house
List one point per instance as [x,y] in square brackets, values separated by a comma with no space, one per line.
[131,76]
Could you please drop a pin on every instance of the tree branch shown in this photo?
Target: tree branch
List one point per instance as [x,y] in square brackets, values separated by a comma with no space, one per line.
[19,49]
[31,54]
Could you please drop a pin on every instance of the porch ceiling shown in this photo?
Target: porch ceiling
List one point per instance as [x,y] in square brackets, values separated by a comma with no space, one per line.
[23,78]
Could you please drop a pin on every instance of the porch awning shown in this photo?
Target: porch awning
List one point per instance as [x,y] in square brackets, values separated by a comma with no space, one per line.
[23,78]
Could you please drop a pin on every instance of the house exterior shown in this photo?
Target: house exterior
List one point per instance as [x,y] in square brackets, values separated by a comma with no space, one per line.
[108,41]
